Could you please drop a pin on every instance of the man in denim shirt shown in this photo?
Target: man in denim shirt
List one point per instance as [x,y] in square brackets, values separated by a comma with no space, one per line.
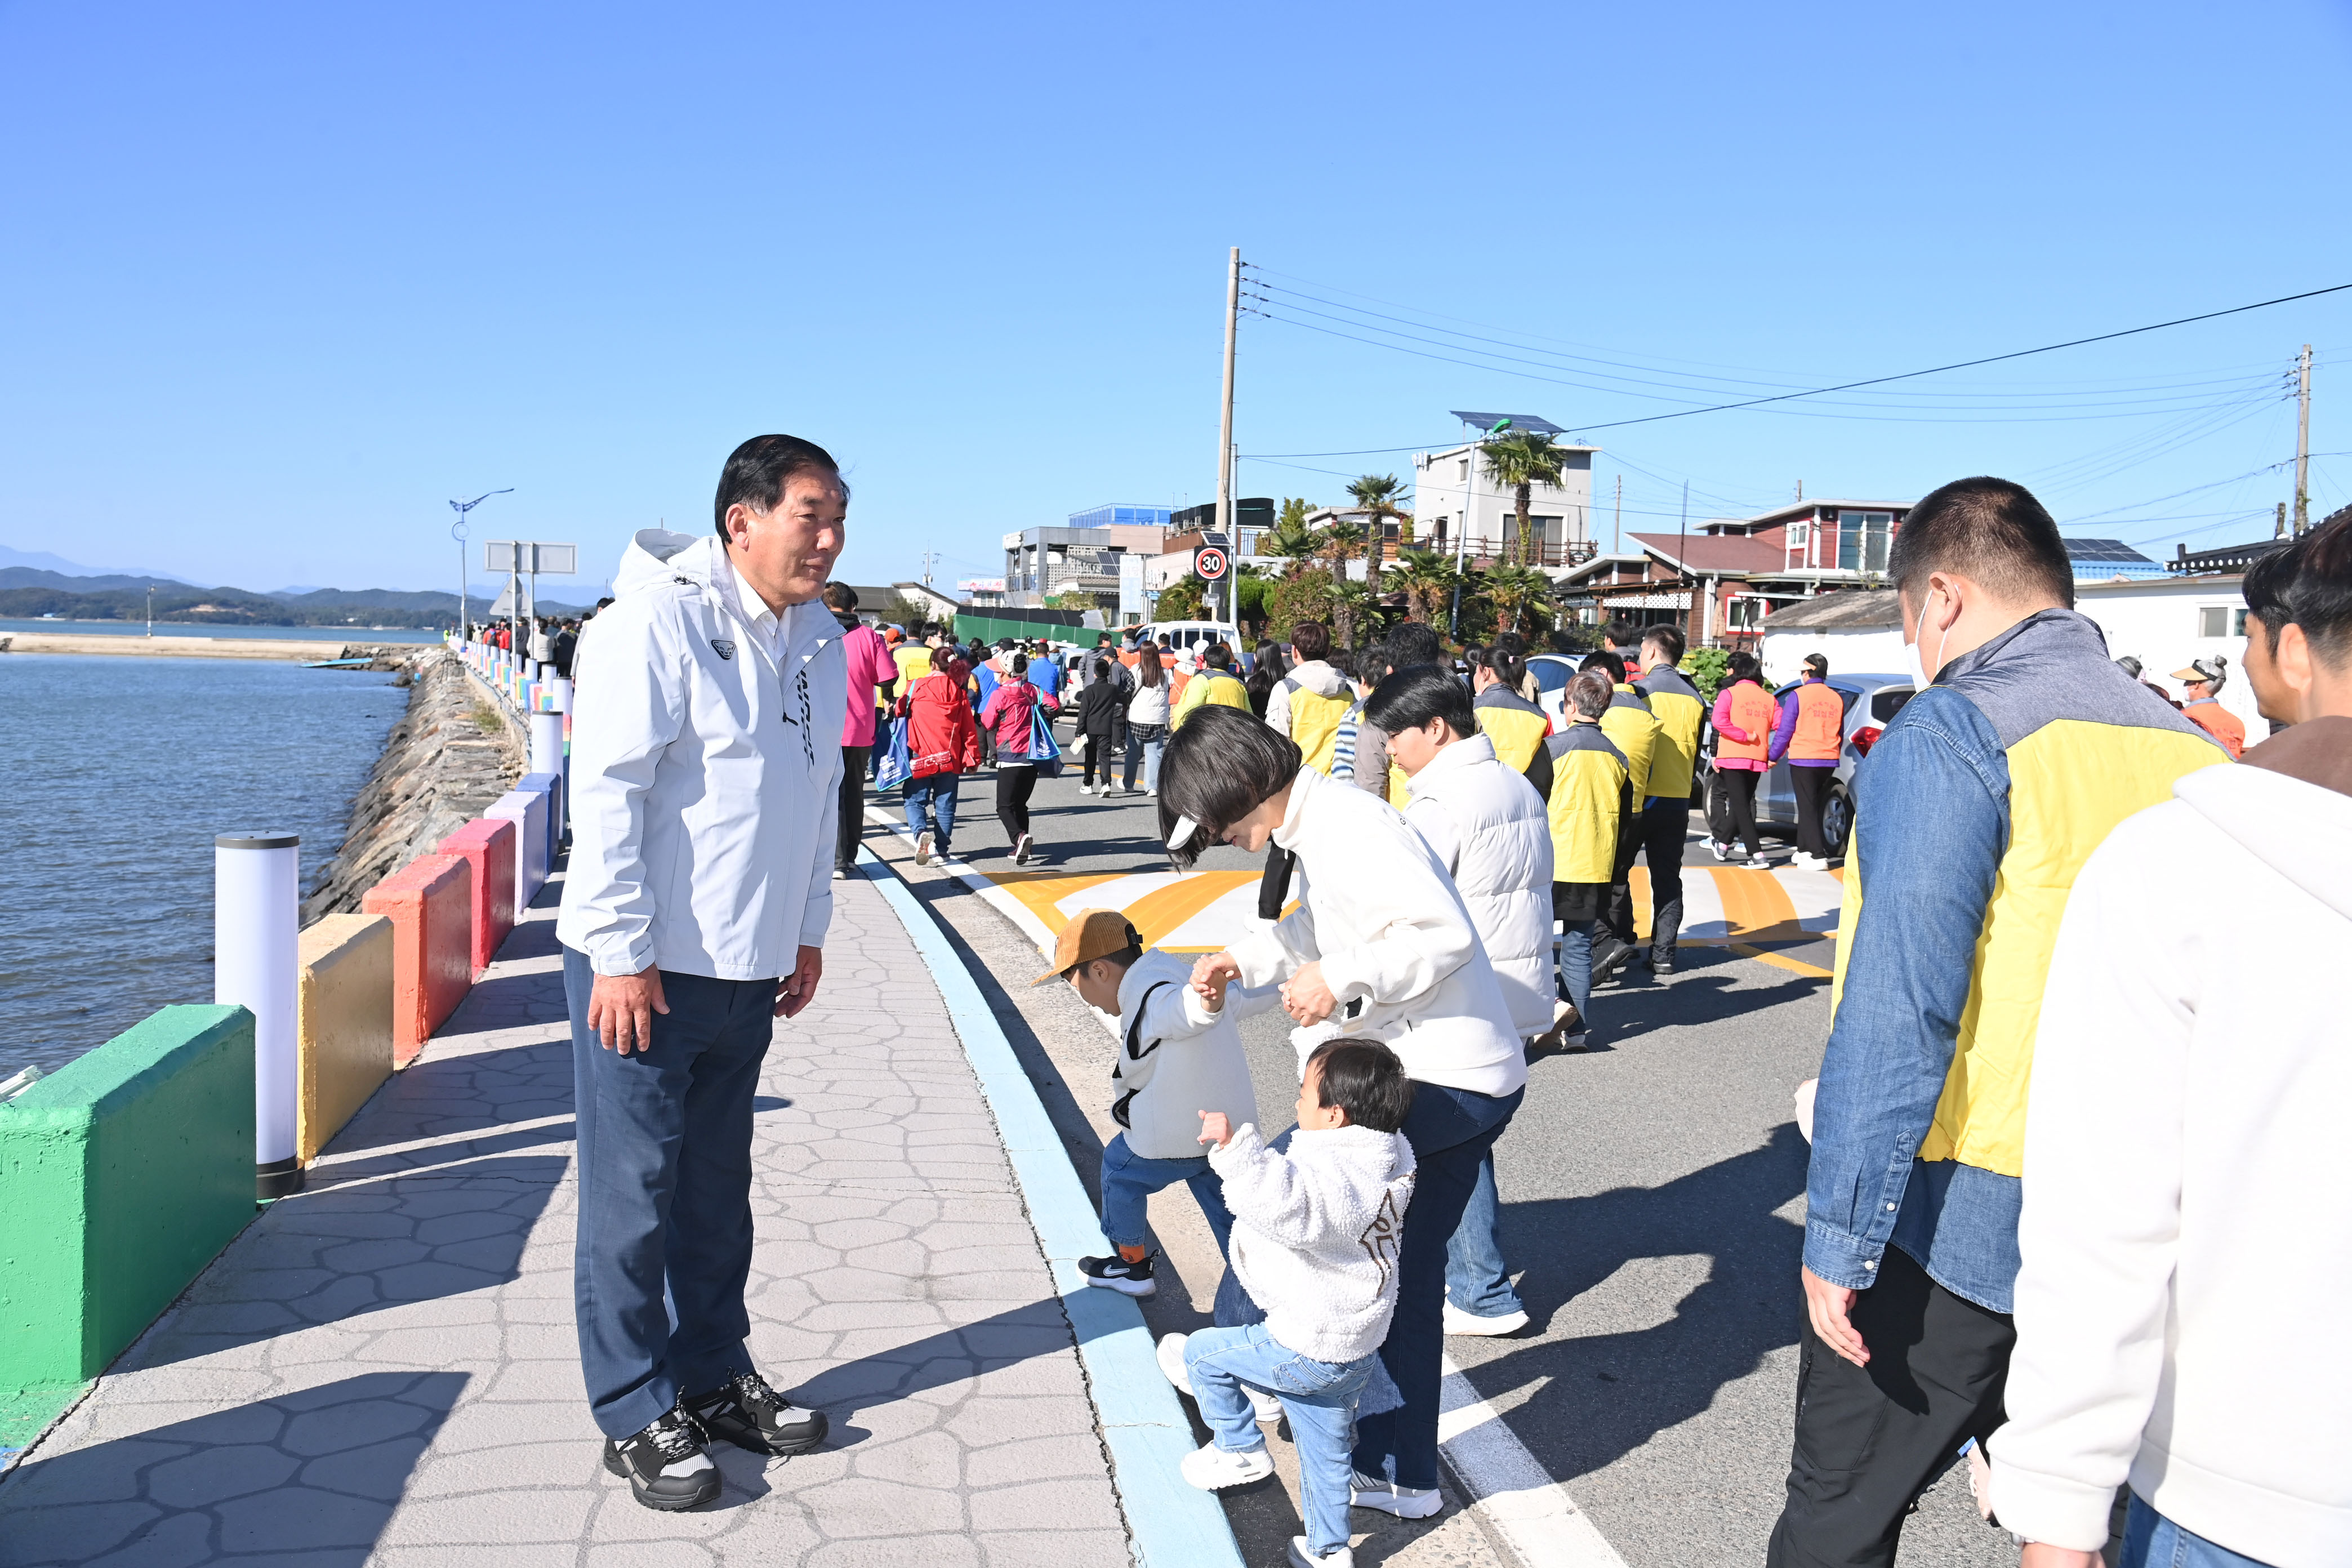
[1973,811]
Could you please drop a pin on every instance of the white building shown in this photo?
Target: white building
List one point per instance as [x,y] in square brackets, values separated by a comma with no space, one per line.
[1451,486]
[2162,622]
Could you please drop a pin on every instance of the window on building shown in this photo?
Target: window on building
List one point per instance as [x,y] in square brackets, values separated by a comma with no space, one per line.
[1862,540]
[1465,469]
[2221,621]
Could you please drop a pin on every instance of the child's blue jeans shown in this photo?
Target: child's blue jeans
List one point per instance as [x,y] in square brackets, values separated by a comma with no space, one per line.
[1319,1397]
[1127,1178]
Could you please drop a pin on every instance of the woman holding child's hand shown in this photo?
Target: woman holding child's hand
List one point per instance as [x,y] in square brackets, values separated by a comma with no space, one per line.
[1381,947]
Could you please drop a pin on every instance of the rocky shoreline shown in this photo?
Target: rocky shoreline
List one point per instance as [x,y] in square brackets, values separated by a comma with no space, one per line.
[451,757]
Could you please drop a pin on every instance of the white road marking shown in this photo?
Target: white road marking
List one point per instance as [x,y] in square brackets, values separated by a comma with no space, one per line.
[1533,1513]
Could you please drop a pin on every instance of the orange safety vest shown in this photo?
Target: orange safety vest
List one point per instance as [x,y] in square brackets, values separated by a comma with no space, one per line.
[1752,709]
[1819,733]
[2221,723]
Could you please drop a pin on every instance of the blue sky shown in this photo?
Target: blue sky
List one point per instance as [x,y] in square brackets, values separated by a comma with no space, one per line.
[277,280]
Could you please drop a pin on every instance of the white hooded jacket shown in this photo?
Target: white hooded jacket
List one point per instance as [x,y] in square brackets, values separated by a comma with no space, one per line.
[2186,1237]
[705,775]
[1316,1233]
[1396,943]
[1488,827]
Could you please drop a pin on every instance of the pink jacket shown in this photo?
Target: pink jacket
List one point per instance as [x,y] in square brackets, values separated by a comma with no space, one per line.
[1008,715]
[870,664]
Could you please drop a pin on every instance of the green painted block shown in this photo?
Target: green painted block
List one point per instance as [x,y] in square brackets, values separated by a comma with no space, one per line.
[121,1175]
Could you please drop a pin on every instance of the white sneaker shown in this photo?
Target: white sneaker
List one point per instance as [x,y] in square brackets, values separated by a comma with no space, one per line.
[1086,789]
[1719,849]
[1338,1557]
[923,850]
[1406,1502]
[1021,851]
[1213,1470]
[1458,1322]
[1169,1354]
[1576,1042]
[1170,1357]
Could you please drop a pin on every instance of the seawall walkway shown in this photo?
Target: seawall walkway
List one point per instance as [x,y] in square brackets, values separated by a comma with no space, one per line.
[382,1369]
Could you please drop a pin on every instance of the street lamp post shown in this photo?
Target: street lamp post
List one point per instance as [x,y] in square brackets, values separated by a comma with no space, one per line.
[457,532]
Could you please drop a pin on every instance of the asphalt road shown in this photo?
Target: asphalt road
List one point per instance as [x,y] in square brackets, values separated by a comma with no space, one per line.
[1653,1209]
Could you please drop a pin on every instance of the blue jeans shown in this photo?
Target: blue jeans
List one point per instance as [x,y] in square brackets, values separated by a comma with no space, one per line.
[664,1245]
[1451,1132]
[930,807]
[2152,1540]
[1127,1178]
[1477,1280]
[1144,744]
[1577,907]
[1319,1397]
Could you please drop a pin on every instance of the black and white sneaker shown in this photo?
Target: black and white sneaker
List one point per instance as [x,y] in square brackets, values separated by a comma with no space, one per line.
[749,1413]
[1116,1273]
[665,1464]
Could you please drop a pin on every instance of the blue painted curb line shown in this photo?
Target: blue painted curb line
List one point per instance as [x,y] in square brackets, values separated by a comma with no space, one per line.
[1173,1525]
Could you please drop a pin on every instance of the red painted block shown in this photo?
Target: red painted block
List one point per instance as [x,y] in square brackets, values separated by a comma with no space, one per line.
[430,902]
[488,845]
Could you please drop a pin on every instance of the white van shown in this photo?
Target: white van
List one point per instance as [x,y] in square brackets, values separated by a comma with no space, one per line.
[1184,635]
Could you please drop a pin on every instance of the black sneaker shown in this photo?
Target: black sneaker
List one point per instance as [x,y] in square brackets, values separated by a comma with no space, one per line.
[749,1413]
[1116,1273]
[1661,962]
[665,1464]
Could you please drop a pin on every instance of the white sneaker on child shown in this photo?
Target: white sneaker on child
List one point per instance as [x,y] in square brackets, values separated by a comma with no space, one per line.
[1338,1557]
[1406,1502]
[1170,1357]
[1213,1470]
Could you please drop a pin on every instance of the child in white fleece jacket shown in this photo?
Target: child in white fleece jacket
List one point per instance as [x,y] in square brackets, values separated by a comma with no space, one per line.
[1315,1240]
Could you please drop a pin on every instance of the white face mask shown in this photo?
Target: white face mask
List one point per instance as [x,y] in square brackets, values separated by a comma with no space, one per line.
[1920,680]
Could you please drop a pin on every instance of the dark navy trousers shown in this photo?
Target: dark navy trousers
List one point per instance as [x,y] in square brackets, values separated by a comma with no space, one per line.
[665,1237]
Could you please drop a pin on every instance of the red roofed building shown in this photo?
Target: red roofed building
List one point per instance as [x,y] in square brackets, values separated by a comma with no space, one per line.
[1719,580]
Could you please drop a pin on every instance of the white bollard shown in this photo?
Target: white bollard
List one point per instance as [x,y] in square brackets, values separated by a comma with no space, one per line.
[546,757]
[257,899]
[562,695]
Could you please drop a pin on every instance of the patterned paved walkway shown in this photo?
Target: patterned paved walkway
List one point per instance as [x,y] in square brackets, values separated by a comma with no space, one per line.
[382,1370]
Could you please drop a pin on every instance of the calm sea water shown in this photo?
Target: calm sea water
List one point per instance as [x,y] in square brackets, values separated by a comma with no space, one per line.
[115,774]
[167,629]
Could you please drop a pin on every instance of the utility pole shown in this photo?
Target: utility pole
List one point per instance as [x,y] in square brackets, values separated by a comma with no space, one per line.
[2303,443]
[1682,562]
[151,609]
[1617,529]
[1226,427]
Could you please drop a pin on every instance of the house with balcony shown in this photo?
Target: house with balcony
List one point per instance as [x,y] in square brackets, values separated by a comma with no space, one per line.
[1458,510]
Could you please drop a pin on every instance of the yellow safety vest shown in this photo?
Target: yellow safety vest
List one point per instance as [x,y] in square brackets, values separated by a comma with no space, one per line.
[1210,689]
[1315,723]
[1515,725]
[1588,802]
[1679,711]
[2070,782]
[1628,721]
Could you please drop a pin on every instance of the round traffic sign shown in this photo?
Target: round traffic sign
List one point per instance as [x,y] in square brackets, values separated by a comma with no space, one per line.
[1209,562]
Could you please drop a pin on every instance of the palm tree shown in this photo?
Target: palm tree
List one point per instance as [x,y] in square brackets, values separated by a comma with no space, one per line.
[1377,494]
[1342,542]
[1427,581]
[1520,460]
[1513,591]
[1289,538]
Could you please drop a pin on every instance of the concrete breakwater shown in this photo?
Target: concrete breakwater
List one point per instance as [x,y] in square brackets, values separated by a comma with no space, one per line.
[306,649]
[450,758]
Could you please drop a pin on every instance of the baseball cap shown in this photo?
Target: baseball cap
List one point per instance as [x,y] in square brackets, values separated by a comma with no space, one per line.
[1094,933]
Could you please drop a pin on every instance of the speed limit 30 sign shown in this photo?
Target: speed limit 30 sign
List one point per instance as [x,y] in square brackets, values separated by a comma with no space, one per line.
[1209,562]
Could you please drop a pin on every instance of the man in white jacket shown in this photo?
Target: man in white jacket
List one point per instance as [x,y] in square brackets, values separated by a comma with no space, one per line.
[1487,827]
[706,762]
[2185,1237]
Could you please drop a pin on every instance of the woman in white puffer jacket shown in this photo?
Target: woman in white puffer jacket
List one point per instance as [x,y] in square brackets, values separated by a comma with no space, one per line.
[1382,946]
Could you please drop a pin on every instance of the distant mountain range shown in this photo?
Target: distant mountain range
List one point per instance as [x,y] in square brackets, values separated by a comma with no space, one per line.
[34,582]
[30,592]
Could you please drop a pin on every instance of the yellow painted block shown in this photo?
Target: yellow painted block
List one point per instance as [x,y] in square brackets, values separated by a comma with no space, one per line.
[346,1025]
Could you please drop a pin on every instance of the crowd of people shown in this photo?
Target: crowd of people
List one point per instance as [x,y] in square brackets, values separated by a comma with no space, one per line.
[2067,1210]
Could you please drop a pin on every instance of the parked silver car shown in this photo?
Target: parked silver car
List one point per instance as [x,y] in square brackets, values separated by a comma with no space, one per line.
[1871,702]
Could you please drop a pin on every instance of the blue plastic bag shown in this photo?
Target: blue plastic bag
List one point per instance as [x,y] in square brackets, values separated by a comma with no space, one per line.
[1042,748]
[897,762]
